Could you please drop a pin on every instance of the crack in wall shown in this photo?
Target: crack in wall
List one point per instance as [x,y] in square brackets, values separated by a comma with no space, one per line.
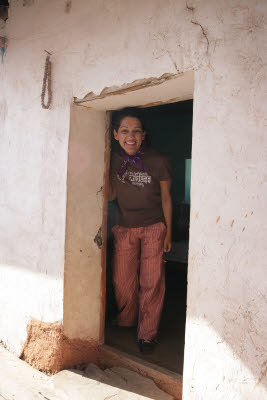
[193,21]
[99,191]
[172,60]
[44,397]
[263,372]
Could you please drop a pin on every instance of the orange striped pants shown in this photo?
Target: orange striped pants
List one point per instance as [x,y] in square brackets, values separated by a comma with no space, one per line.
[139,277]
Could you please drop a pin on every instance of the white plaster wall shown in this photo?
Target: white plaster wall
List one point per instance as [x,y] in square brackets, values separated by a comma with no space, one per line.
[104,43]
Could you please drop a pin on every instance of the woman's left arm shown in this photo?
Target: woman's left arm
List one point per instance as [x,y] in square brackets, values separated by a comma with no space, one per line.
[166,200]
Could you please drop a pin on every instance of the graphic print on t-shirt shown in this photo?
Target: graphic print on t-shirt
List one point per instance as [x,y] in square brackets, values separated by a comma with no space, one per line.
[138,192]
[135,178]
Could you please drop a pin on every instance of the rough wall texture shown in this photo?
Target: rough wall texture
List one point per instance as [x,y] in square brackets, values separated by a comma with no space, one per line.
[50,351]
[106,43]
[82,281]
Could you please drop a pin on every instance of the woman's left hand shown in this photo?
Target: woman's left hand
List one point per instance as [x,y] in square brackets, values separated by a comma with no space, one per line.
[166,200]
[167,243]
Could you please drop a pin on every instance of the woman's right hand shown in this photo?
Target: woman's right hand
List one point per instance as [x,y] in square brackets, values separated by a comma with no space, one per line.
[111,192]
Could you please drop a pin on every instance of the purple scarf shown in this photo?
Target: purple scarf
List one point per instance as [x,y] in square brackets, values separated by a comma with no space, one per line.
[135,159]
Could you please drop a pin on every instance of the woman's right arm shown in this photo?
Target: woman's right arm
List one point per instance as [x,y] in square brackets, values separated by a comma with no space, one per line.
[112,176]
[112,192]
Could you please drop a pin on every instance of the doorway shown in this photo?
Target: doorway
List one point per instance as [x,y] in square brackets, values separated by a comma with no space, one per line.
[86,217]
[170,129]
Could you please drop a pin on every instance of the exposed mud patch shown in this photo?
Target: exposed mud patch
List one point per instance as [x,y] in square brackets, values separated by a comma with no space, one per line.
[49,350]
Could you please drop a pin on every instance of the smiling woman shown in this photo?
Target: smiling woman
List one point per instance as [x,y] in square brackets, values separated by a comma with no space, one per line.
[130,135]
[129,130]
[140,179]
[168,129]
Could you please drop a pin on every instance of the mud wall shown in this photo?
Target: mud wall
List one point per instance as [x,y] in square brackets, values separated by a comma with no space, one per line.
[101,44]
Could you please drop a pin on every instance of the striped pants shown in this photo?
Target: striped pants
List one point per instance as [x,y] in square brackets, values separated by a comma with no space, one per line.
[139,277]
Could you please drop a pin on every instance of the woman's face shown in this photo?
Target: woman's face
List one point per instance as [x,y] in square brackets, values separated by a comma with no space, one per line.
[130,135]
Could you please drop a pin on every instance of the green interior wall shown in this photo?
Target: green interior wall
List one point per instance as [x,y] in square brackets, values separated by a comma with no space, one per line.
[170,131]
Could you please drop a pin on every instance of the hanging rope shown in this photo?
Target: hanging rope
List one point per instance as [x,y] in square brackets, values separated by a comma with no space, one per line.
[47,84]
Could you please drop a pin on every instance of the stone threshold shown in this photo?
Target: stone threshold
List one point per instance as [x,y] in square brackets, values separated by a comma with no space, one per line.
[169,381]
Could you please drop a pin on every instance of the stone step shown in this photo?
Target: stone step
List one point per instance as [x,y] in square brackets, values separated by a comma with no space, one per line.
[106,376]
[137,383]
[115,378]
[114,383]
[94,372]
[19,381]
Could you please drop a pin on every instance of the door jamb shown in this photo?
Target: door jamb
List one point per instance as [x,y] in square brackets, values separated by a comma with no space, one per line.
[105,190]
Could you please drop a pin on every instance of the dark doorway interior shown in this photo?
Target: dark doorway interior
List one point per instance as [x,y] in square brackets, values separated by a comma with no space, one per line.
[170,130]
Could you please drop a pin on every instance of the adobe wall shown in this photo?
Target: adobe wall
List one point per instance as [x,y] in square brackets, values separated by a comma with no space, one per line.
[105,43]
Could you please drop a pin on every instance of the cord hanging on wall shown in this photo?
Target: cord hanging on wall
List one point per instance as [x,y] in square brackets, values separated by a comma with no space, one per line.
[47,83]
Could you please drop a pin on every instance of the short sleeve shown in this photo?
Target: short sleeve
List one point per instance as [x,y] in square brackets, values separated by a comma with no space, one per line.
[165,171]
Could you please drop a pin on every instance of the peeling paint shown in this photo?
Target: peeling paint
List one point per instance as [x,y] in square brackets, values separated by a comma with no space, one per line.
[135,85]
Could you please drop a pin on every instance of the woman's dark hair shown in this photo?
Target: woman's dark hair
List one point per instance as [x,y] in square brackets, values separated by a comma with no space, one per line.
[132,112]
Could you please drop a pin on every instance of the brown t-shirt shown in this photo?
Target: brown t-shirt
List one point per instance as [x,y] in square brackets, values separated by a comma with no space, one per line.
[138,192]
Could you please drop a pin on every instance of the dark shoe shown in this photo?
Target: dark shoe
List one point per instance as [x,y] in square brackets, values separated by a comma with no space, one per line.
[146,346]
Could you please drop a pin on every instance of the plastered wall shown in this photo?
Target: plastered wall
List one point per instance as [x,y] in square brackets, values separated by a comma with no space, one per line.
[97,44]
[82,283]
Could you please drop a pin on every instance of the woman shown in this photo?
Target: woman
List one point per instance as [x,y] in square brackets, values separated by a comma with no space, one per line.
[140,179]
